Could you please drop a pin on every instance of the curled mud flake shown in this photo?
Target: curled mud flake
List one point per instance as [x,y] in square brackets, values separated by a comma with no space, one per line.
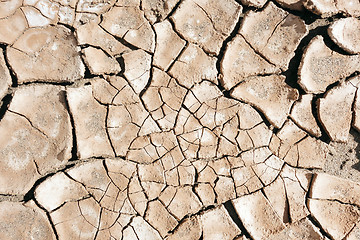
[270,94]
[258,216]
[130,24]
[206,23]
[346,33]
[342,190]
[217,223]
[48,54]
[326,8]
[297,5]
[274,33]
[189,228]
[254,3]
[89,118]
[33,223]
[303,229]
[335,218]
[335,111]
[321,67]
[356,110]
[12,27]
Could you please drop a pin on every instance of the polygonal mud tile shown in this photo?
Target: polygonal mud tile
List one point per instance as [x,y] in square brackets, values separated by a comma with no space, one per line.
[329,187]
[35,18]
[168,45]
[48,54]
[274,33]
[35,141]
[130,24]
[303,229]
[12,26]
[159,217]
[77,219]
[270,94]
[193,66]
[33,223]
[189,228]
[137,69]
[58,190]
[297,149]
[7,8]
[92,34]
[206,23]
[89,118]
[241,61]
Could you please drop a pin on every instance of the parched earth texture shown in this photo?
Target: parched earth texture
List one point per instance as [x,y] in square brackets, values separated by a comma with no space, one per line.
[179,119]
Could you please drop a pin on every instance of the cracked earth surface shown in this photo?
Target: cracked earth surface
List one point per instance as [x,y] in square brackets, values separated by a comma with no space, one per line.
[179,119]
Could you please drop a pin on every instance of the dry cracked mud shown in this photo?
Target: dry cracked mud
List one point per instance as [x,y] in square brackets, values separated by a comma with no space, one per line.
[179,119]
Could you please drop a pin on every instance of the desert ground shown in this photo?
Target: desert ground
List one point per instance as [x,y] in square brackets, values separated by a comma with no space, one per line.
[179,119]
